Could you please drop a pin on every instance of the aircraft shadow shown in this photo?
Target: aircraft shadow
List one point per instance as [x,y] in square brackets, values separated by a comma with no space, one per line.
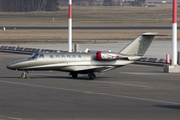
[55,77]
[68,77]
[177,107]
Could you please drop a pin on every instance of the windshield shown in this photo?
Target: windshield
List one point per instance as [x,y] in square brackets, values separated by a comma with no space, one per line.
[33,56]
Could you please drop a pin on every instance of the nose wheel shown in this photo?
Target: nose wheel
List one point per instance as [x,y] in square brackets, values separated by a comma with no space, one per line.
[24,75]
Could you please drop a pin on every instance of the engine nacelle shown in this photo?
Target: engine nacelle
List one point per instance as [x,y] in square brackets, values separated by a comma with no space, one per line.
[106,56]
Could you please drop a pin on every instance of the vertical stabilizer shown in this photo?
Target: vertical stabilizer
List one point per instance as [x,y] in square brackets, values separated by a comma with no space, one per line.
[140,45]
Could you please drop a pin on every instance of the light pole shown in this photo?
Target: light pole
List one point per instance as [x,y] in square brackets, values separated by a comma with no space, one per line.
[70,27]
[174,34]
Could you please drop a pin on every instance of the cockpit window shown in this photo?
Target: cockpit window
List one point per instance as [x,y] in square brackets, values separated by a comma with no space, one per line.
[51,56]
[33,56]
[41,56]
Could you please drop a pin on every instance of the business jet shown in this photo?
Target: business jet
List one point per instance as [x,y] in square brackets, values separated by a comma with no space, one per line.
[88,62]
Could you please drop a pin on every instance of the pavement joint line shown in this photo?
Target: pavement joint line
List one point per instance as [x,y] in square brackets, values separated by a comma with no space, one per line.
[97,93]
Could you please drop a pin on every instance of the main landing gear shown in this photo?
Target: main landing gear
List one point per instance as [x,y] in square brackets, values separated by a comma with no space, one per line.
[73,74]
[24,75]
[91,75]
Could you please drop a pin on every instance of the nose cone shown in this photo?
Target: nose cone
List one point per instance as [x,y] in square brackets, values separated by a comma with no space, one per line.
[16,65]
[11,66]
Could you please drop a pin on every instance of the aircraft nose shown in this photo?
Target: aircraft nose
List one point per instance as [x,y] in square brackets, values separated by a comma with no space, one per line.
[11,66]
[16,65]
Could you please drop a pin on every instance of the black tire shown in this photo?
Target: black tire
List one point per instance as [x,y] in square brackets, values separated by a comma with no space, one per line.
[74,75]
[92,76]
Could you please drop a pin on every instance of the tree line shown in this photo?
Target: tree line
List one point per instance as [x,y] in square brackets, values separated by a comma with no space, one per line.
[102,2]
[88,2]
[28,5]
[52,5]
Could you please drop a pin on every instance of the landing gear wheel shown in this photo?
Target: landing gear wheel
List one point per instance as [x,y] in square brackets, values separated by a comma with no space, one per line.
[74,74]
[92,76]
[24,76]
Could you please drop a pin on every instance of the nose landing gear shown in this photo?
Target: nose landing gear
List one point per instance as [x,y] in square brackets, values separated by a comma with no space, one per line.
[24,75]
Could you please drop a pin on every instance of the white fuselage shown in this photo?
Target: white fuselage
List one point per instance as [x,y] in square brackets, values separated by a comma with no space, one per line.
[74,61]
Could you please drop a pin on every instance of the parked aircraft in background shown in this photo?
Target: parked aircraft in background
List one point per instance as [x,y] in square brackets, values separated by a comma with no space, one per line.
[88,62]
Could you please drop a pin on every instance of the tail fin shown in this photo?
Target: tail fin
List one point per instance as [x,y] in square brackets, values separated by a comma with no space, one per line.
[140,45]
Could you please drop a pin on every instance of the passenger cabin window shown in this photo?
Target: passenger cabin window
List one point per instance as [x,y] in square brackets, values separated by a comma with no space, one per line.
[41,56]
[51,56]
[63,57]
[79,56]
[74,57]
[68,57]
[57,56]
